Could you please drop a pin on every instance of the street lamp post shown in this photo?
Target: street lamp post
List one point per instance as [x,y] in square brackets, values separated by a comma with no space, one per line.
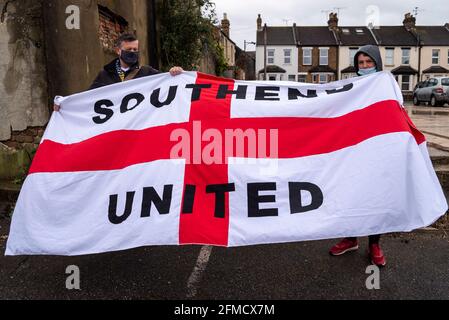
[247,42]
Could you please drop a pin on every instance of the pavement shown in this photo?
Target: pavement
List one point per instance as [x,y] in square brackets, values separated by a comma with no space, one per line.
[417,268]
[433,122]
[417,262]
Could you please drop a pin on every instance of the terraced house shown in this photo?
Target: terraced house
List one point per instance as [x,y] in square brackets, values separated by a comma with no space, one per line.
[325,53]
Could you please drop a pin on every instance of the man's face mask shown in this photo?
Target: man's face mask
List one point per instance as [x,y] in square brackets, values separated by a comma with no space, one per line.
[364,72]
[129,57]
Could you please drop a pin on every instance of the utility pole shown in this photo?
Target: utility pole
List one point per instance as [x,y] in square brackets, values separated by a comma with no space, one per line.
[265,51]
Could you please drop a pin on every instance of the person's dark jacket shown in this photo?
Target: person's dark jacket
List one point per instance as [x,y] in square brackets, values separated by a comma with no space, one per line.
[371,51]
[109,74]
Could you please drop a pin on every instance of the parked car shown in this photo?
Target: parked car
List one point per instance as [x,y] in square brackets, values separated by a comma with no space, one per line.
[419,85]
[435,91]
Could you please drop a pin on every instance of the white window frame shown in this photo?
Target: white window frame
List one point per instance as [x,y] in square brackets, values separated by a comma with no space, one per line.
[352,52]
[270,57]
[289,56]
[409,82]
[437,57]
[302,75]
[325,78]
[388,50]
[404,56]
[348,75]
[308,56]
[322,50]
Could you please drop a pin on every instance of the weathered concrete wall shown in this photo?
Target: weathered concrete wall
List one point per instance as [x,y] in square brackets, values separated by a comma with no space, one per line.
[23,75]
[14,163]
[207,64]
[40,58]
[76,56]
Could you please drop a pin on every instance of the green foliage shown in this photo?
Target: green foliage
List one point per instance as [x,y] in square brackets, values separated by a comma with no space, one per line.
[188,33]
[220,60]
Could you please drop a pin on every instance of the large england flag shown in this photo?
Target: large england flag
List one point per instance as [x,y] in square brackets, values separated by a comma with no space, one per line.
[195,159]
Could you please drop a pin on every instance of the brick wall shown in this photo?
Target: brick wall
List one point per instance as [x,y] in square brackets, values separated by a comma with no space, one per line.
[28,139]
[332,61]
[111,27]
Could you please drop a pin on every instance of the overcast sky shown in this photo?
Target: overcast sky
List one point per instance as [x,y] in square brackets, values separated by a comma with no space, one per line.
[243,13]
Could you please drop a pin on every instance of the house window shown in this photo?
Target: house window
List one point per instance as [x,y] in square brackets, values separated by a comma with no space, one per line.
[272,78]
[389,56]
[307,56]
[270,53]
[405,56]
[287,56]
[405,86]
[324,56]
[352,52]
[302,78]
[348,75]
[291,77]
[323,78]
[435,56]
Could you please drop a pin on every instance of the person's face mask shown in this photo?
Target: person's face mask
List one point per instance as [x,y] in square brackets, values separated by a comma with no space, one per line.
[364,72]
[129,57]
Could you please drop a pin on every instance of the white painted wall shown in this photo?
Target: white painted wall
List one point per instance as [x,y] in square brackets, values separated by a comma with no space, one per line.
[291,68]
[343,58]
[426,58]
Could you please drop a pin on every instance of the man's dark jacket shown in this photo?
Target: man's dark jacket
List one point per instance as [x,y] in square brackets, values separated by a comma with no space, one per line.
[109,74]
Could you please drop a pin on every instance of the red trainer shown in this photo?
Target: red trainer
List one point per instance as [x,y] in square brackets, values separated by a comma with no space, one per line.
[376,255]
[344,246]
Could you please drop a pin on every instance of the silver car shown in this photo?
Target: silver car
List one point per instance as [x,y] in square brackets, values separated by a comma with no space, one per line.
[435,91]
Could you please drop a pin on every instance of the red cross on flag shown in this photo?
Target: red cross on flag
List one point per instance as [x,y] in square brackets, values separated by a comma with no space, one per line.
[196,159]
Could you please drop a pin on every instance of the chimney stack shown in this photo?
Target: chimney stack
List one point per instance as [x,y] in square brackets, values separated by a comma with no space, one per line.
[225,24]
[409,21]
[333,21]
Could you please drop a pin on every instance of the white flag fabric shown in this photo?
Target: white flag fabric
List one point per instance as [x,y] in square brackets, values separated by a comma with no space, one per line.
[196,159]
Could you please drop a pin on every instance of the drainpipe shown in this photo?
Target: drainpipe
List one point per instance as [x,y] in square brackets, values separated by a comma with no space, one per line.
[338,43]
[419,57]
[265,51]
